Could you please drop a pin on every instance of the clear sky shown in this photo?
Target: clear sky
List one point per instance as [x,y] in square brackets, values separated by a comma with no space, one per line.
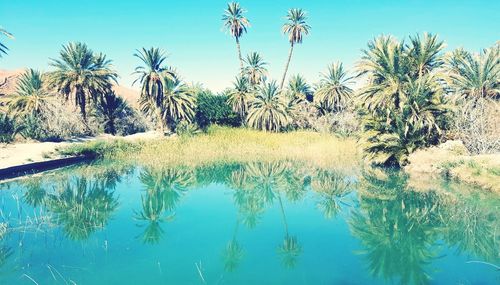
[191,31]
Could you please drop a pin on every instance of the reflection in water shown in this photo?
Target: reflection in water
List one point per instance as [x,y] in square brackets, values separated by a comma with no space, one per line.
[163,191]
[82,207]
[400,228]
[332,187]
[401,231]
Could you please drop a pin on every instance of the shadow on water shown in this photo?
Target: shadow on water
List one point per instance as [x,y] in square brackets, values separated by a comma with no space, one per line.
[401,231]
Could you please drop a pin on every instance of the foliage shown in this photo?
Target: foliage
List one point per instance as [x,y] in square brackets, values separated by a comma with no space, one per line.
[255,70]
[299,90]
[268,110]
[115,116]
[239,97]
[81,75]
[333,93]
[403,106]
[8,128]
[213,109]
[475,76]
[186,129]
[3,48]
[30,94]
[235,24]
[296,27]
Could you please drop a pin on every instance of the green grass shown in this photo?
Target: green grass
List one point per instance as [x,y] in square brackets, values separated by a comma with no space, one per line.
[223,144]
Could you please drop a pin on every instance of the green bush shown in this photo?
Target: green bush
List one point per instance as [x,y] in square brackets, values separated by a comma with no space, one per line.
[8,128]
[213,109]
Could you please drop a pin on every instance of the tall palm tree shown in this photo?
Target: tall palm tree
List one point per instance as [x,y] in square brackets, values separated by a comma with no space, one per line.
[268,110]
[475,76]
[3,48]
[153,75]
[239,97]
[255,69]
[30,93]
[236,24]
[295,27]
[299,90]
[334,93]
[81,75]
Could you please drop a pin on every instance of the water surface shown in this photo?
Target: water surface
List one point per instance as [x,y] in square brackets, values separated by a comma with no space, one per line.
[254,223]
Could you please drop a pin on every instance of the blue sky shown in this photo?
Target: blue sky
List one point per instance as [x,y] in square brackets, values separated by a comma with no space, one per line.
[191,31]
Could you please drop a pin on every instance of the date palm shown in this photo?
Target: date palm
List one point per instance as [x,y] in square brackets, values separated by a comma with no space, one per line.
[30,94]
[3,48]
[81,74]
[403,104]
[299,90]
[334,93]
[152,75]
[239,96]
[178,103]
[236,24]
[475,76]
[268,111]
[255,69]
[296,27]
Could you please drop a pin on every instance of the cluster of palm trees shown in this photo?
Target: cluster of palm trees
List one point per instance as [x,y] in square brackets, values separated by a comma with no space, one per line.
[412,90]
[264,104]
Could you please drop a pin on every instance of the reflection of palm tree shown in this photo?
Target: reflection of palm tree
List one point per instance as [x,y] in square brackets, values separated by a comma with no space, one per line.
[35,194]
[82,208]
[164,188]
[290,249]
[473,228]
[332,187]
[397,227]
[233,252]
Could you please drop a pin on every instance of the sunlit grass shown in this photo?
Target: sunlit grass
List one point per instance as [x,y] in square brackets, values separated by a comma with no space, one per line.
[222,144]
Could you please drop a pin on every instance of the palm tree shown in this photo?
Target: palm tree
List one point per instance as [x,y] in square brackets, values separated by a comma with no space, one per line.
[334,93]
[268,110]
[424,54]
[81,75]
[236,24]
[3,48]
[295,27]
[255,69]
[475,76]
[109,110]
[403,104]
[153,75]
[299,90]
[30,93]
[239,97]
[177,104]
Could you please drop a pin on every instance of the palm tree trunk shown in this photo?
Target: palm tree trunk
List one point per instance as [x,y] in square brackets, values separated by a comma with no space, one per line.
[286,66]
[283,216]
[239,53]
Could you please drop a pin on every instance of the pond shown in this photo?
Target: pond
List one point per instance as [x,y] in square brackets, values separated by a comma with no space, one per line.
[253,223]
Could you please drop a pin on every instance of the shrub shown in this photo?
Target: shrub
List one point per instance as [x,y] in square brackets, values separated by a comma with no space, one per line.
[116,117]
[477,125]
[213,109]
[186,129]
[8,128]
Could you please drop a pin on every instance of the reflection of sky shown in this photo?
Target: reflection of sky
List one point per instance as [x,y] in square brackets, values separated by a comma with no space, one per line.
[191,31]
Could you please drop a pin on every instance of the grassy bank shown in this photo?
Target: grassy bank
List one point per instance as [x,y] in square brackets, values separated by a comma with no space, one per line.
[223,144]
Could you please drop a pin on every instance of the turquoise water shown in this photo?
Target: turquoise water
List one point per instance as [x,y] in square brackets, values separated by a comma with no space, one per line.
[257,223]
